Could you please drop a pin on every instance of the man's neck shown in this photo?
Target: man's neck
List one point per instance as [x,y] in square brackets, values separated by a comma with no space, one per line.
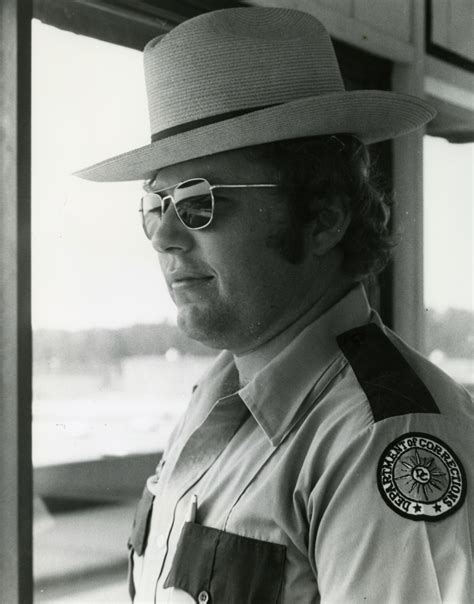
[252,362]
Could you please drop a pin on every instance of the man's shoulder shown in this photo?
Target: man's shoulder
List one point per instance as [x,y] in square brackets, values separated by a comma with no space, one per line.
[388,407]
[383,389]
[396,379]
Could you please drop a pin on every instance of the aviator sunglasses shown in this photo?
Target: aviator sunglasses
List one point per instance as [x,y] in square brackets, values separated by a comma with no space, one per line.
[193,201]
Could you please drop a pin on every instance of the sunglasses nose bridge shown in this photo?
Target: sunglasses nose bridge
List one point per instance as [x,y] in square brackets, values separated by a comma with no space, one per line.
[165,202]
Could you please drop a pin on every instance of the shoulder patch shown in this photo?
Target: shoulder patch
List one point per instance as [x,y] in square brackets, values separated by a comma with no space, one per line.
[391,385]
[421,478]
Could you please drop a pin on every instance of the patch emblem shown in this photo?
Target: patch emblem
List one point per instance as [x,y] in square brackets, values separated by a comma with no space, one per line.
[421,478]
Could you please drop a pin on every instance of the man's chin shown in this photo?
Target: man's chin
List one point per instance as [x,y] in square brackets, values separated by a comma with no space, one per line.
[202,325]
[194,322]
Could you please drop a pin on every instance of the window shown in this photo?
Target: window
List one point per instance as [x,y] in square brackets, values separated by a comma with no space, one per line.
[449,259]
[111,375]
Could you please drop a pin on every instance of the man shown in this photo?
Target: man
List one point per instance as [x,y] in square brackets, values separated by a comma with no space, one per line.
[320,458]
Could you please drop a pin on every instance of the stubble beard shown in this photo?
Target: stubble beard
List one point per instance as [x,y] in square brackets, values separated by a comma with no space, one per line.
[221,327]
[214,327]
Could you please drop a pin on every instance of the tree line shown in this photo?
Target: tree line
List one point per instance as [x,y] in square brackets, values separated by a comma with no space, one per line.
[99,346]
[452,332]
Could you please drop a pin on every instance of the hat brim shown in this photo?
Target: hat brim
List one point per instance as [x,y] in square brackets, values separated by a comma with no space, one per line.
[371,115]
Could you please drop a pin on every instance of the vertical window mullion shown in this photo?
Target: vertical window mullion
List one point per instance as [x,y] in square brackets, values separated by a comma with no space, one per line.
[15,304]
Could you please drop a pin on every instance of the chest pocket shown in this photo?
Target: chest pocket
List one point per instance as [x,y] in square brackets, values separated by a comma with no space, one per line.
[226,568]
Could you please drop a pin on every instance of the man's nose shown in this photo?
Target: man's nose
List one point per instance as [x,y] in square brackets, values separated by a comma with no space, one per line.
[171,236]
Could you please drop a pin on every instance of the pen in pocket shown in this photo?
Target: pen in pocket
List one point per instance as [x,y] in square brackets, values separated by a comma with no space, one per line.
[191,515]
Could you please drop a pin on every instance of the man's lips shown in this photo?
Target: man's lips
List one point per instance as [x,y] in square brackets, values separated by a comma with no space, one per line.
[180,280]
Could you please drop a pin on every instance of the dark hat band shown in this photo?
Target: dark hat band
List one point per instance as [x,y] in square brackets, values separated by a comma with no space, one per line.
[205,121]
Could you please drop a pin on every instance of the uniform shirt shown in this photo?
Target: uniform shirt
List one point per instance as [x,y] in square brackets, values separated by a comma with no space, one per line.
[338,474]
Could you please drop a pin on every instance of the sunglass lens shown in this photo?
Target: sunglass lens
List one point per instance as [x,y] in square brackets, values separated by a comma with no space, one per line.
[193,201]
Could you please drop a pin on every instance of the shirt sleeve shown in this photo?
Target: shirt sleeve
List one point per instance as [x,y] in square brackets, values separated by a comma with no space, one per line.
[391,517]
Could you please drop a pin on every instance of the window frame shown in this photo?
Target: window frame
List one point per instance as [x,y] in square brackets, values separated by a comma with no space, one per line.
[108,20]
[16,563]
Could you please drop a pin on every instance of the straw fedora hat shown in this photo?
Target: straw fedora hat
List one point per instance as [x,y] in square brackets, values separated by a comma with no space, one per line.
[240,77]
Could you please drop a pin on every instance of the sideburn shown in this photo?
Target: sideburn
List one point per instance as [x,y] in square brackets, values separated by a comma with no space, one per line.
[288,240]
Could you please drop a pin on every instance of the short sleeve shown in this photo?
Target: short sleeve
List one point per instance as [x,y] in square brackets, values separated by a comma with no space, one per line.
[391,517]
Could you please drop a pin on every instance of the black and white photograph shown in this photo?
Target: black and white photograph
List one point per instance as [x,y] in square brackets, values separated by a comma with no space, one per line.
[237,302]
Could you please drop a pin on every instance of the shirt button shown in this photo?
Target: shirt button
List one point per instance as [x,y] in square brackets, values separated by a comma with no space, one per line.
[160,541]
[203,597]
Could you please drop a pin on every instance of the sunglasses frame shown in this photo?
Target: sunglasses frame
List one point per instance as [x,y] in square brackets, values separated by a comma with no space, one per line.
[162,199]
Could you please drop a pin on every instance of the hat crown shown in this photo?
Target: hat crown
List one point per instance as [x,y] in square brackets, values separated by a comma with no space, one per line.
[240,77]
[236,60]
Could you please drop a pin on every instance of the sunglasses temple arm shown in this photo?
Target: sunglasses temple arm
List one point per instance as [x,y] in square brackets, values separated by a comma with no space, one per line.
[242,186]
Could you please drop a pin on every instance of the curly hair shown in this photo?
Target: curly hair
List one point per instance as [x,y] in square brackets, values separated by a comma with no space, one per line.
[317,171]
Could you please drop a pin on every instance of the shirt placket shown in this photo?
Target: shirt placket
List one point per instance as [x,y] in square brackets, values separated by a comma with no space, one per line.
[181,473]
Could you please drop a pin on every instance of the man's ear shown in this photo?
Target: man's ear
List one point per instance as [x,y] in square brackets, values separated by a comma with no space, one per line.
[329,227]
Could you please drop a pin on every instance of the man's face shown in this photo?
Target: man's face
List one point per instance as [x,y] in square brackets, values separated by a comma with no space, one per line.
[232,289]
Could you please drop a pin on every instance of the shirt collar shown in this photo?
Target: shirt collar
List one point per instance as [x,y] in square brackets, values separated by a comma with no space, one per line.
[276,395]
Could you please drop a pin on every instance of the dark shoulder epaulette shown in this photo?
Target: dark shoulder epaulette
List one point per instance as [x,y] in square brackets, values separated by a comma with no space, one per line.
[390,384]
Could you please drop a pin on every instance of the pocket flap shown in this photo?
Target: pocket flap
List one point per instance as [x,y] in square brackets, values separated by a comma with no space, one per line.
[141,522]
[230,568]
